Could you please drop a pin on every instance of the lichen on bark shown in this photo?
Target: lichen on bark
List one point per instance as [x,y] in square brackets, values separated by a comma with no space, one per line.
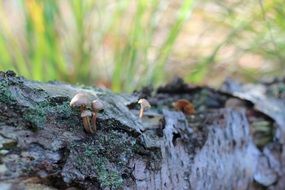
[43,141]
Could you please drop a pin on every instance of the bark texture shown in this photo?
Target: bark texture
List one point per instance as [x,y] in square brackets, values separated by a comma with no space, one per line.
[43,144]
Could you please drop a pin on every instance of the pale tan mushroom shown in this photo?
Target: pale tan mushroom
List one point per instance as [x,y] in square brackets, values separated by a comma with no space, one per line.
[144,105]
[97,105]
[80,100]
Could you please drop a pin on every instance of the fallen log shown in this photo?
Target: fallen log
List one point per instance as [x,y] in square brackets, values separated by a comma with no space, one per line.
[43,143]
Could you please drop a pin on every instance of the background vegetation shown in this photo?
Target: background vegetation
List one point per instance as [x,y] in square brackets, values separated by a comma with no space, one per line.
[126,44]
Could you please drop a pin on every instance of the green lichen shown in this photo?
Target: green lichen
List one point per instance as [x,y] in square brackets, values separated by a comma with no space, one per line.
[106,176]
[93,161]
[6,95]
[46,111]
[37,116]
[110,179]
[106,155]
[38,105]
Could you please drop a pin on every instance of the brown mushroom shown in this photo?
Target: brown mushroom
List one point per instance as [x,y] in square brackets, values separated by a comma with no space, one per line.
[86,115]
[144,105]
[185,106]
[93,122]
[96,106]
[81,101]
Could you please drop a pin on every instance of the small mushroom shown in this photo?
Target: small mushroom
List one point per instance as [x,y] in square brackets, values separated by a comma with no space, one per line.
[185,106]
[86,115]
[80,100]
[144,105]
[93,122]
[97,105]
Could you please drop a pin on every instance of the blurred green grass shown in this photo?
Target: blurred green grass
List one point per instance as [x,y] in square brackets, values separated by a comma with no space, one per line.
[253,28]
[126,44]
[91,41]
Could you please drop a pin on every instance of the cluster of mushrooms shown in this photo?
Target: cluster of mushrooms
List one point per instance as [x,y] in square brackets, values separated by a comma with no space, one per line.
[82,102]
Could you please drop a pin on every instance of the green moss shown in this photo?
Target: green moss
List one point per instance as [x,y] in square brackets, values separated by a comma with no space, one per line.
[92,160]
[35,116]
[6,95]
[36,113]
[39,114]
[110,179]
[105,155]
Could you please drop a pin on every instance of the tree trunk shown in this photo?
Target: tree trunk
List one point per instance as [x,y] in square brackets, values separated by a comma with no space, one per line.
[43,144]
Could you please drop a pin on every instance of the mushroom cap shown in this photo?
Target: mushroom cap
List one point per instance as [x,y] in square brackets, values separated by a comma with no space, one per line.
[80,99]
[86,113]
[185,106]
[144,103]
[97,105]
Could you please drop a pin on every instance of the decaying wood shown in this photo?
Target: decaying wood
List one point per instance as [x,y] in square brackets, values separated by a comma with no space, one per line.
[43,144]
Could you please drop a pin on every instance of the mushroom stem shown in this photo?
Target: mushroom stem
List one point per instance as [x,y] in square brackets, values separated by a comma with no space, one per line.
[144,105]
[93,123]
[141,112]
[82,108]
[86,124]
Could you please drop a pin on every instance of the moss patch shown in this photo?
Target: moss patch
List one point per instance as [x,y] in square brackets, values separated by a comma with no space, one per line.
[47,111]
[6,95]
[103,157]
